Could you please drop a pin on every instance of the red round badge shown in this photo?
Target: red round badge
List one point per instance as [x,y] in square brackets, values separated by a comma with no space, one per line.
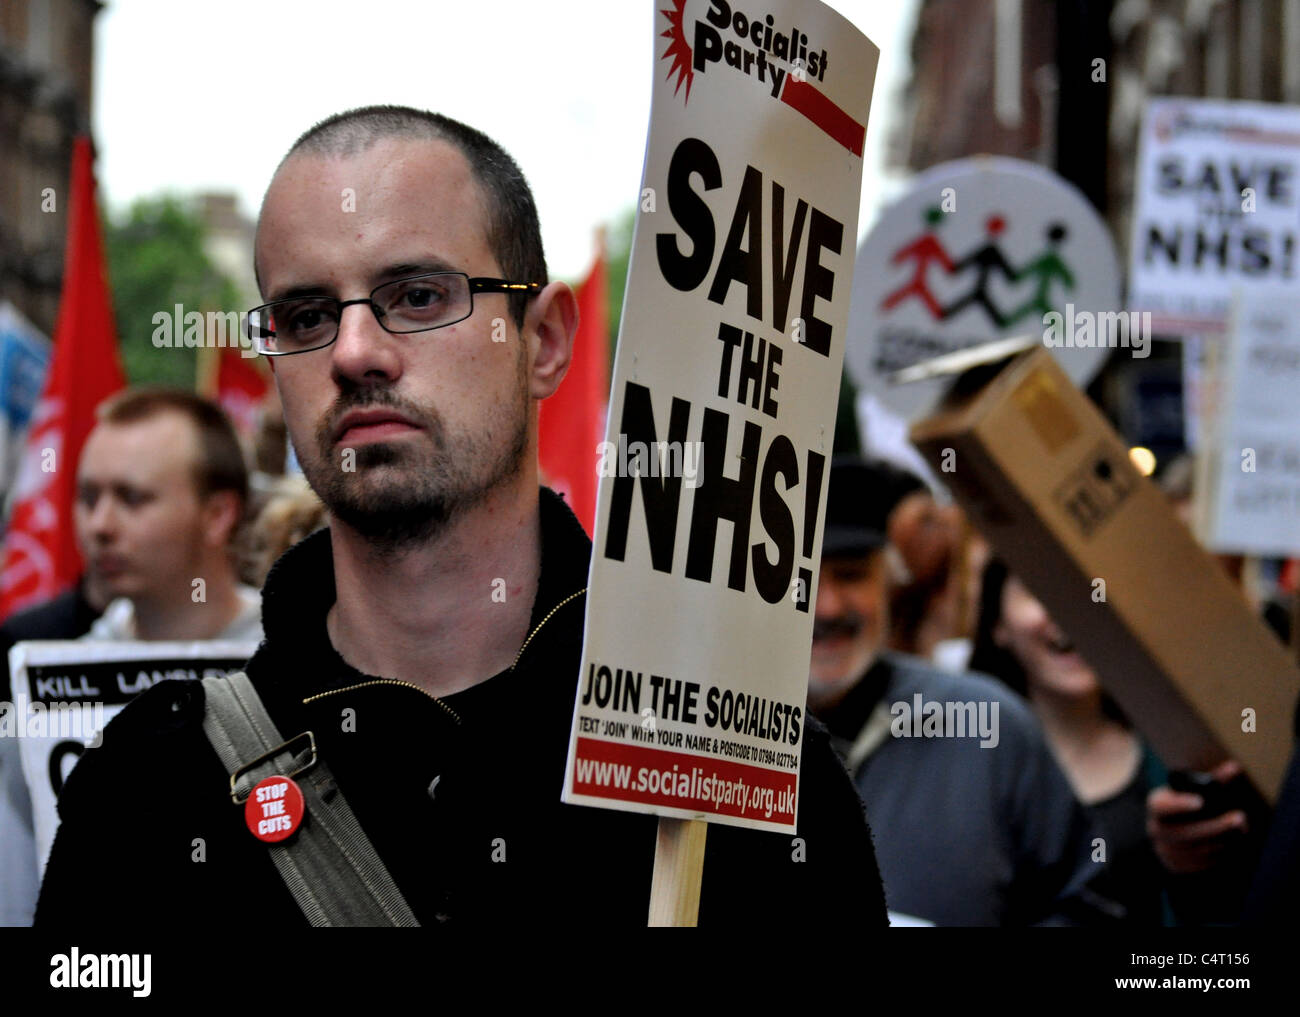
[273,810]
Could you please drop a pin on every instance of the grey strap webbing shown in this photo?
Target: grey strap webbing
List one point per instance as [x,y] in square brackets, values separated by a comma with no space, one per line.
[329,865]
[871,737]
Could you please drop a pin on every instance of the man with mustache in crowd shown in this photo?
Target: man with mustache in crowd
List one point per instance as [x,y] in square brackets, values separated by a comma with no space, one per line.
[974,822]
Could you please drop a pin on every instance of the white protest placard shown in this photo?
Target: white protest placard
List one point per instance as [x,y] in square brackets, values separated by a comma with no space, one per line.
[66,691]
[694,673]
[978,250]
[1254,496]
[1215,209]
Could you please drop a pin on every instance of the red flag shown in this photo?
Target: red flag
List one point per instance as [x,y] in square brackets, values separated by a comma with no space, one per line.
[40,552]
[572,421]
[238,387]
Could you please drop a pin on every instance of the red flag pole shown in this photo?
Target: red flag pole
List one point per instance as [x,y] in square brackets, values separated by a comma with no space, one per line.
[41,558]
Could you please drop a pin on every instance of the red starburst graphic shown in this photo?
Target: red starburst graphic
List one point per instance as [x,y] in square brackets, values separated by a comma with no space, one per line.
[679,49]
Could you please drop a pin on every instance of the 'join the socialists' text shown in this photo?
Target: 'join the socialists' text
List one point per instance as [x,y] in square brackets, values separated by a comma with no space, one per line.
[678,700]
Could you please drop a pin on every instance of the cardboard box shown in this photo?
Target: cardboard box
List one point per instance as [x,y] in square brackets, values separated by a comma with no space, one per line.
[1049,482]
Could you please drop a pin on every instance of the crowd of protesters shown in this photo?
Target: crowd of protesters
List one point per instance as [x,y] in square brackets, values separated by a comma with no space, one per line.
[1046,805]
[1068,818]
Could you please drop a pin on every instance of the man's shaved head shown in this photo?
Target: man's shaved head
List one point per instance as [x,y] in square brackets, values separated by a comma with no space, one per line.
[512,230]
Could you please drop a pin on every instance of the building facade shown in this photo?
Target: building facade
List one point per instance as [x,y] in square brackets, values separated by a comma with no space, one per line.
[46,66]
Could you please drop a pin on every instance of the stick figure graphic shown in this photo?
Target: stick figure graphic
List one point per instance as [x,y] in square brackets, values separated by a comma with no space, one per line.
[985,259]
[924,250]
[1046,267]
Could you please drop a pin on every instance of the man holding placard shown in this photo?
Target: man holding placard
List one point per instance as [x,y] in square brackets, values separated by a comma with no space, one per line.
[976,824]
[429,640]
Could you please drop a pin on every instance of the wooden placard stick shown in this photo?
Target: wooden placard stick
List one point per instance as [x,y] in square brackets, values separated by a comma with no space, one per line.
[678,872]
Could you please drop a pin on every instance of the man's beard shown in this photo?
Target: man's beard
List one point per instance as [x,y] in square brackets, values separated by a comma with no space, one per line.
[826,691]
[429,487]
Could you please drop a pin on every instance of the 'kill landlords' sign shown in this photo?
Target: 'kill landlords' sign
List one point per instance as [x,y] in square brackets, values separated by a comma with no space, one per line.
[1218,196]
[65,692]
[690,701]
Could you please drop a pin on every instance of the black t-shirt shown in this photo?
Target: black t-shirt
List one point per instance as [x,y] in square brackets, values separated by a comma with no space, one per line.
[1134,876]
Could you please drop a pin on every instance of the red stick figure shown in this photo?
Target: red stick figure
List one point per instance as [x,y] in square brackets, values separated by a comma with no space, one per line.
[924,250]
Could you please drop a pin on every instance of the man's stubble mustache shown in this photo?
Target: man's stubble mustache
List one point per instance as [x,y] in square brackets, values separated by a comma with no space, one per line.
[394,519]
[368,397]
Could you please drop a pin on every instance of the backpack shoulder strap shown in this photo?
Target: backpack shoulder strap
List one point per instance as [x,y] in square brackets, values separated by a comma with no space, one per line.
[329,864]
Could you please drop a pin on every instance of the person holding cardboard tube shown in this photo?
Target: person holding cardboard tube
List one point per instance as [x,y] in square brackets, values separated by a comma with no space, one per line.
[1107,763]
[1178,842]
[974,822]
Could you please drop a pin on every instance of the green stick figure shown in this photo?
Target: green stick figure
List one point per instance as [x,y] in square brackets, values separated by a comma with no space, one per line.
[1045,268]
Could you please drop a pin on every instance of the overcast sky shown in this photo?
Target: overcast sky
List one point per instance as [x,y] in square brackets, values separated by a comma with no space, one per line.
[192,97]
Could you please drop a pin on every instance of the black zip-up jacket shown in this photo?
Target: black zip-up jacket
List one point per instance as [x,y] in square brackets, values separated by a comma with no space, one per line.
[147,816]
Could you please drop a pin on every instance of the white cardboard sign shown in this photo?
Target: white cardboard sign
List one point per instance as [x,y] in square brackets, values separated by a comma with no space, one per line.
[1255,490]
[694,676]
[1215,211]
[65,692]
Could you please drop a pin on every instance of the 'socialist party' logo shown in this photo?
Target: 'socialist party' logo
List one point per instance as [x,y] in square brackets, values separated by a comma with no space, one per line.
[783,62]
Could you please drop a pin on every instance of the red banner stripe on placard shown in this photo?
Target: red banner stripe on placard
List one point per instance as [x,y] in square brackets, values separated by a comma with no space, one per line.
[652,776]
[801,96]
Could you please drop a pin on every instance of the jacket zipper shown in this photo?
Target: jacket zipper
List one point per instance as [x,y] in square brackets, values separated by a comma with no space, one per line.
[384,681]
[550,614]
[452,713]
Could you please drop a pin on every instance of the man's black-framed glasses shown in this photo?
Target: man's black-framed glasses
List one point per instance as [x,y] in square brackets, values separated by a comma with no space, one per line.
[419,303]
